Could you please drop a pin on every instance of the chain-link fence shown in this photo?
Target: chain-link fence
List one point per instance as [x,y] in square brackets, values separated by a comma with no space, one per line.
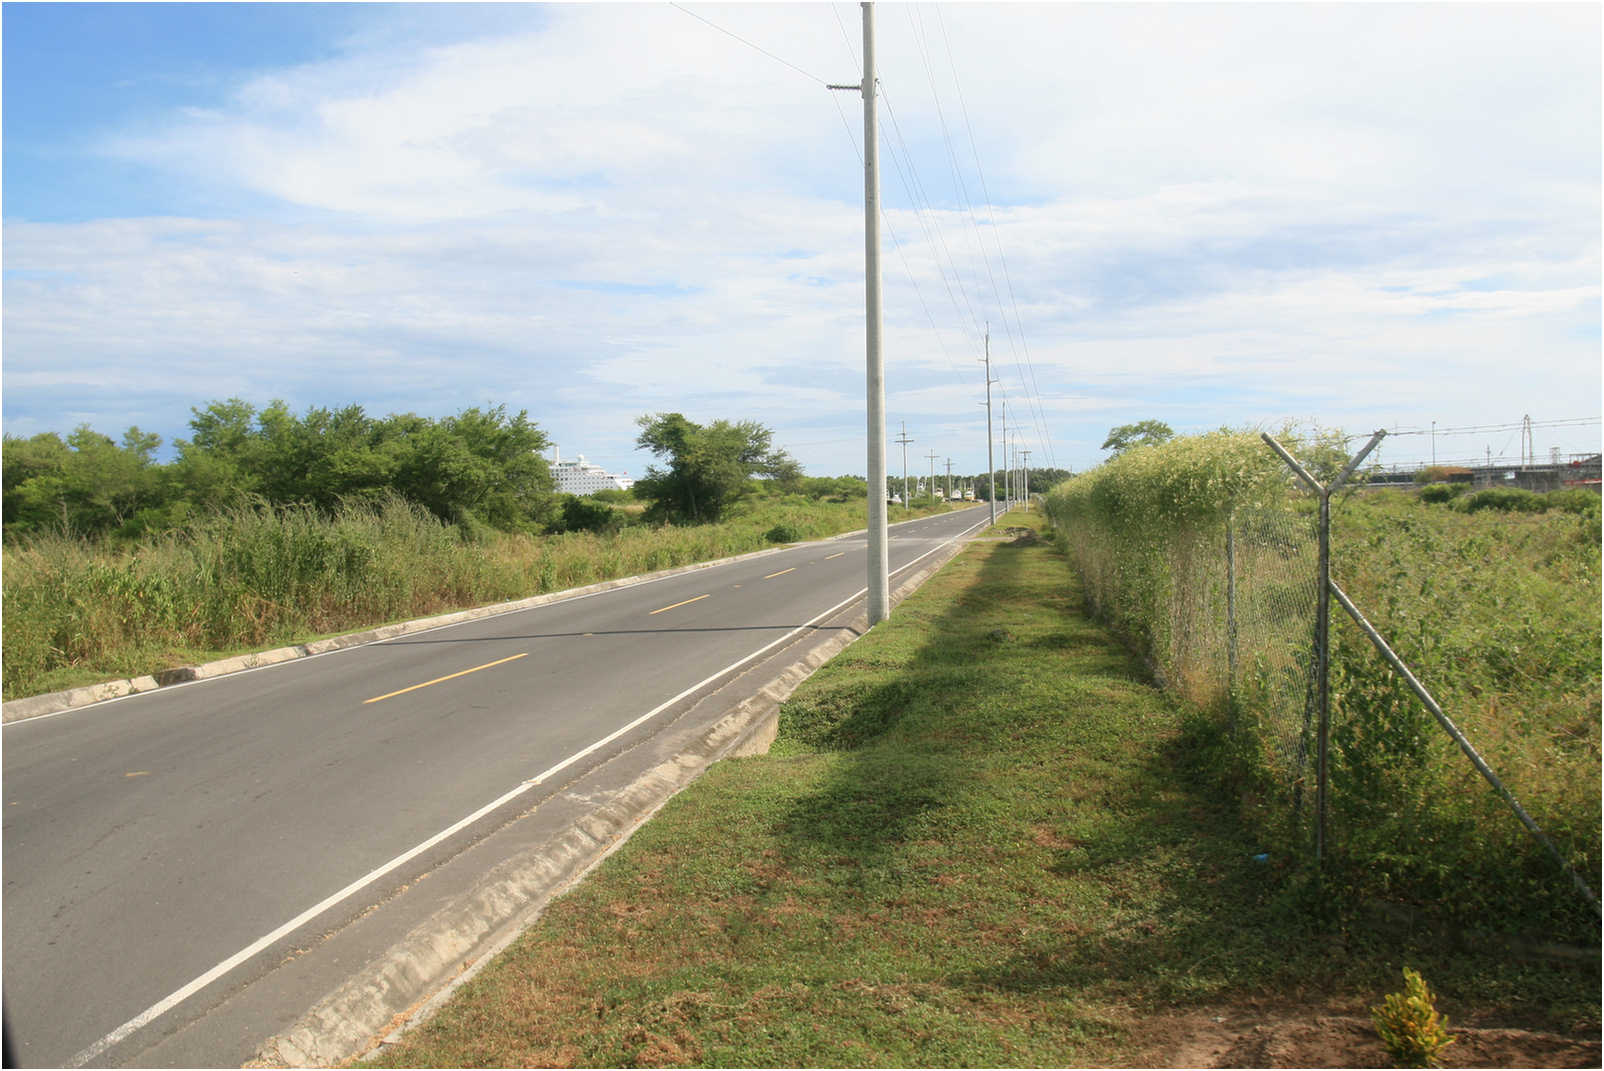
[1352,745]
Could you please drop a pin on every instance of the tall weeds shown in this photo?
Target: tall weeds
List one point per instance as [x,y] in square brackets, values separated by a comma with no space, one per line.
[1496,612]
[78,611]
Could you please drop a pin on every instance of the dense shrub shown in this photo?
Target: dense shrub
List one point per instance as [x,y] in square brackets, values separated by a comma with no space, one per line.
[1508,499]
[1442,492]
[582,515]
[1575,500]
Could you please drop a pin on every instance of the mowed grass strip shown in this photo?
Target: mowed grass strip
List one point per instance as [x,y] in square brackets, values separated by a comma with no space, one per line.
[975,843]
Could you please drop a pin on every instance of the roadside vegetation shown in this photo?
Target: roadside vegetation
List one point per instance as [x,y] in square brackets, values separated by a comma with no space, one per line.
[80,611]
[981,839]
[269,529]
[1491,597]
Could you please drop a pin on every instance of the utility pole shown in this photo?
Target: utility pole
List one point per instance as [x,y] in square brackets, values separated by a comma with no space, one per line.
[949,479]
[1026,473]
[1008,476]
[879,565]
[932,460]
[991,466]
[904,441]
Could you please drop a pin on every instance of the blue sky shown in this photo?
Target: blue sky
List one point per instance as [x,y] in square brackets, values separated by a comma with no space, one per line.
[1358,215]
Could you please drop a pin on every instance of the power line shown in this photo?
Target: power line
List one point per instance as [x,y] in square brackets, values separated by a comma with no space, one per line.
[1002,258]
[961,191]
[885,218]
[1482,429]
[923,207]
[747,43]
[932,230]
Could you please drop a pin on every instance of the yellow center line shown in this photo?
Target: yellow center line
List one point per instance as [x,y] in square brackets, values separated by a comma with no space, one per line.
[782,572]
[687,602]
[829,556]
[447,677]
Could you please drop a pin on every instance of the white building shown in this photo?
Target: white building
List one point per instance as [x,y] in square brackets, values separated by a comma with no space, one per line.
[582,478]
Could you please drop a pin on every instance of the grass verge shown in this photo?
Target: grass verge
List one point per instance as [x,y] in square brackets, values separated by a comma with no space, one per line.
[976,842]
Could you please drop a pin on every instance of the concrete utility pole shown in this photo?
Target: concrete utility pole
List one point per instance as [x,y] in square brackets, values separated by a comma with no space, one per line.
[875,375]
[904,441]
[932,485]
[991,466]
[1008,474]
[949,479]
[1026,471]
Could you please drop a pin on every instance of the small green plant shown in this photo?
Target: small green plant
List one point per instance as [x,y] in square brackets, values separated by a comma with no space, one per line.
[783,533]
[1409,1024]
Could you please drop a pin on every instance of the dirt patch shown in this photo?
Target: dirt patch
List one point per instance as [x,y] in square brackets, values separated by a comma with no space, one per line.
[1324,1036]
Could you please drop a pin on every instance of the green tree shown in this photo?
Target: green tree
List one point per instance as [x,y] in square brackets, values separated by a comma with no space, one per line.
[477,465]
[1142,433]
[709,467]
[1046,478]
[87,484]
[217,465]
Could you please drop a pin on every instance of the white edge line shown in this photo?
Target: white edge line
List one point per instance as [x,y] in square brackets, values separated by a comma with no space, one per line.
[178,996]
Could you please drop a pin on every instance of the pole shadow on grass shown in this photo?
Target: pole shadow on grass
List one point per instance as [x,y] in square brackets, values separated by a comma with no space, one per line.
[905,721]
[1180,900]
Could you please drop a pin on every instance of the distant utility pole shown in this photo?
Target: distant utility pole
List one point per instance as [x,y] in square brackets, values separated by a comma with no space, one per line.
[1008,475]
[932,460]
[904,441]
[991,466]
[875,374]
[1025,469]
[949,479]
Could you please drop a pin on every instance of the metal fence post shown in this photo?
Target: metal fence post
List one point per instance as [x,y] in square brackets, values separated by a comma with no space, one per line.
[1321,714]
[1230,620]
[1322,677]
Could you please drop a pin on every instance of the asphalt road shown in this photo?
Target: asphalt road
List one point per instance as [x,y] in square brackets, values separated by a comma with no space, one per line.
[166,842]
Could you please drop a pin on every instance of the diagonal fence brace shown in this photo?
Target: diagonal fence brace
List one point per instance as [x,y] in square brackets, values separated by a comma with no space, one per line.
[1459,738]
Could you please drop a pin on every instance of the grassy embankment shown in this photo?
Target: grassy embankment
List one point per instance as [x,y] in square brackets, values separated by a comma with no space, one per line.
[78,611]
[977,841]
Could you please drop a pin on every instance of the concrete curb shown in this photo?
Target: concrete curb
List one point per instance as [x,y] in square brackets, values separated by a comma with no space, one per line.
[421,972]
[55,702]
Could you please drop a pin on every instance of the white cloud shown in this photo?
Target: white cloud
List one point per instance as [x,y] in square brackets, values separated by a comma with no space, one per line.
[1232,210]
